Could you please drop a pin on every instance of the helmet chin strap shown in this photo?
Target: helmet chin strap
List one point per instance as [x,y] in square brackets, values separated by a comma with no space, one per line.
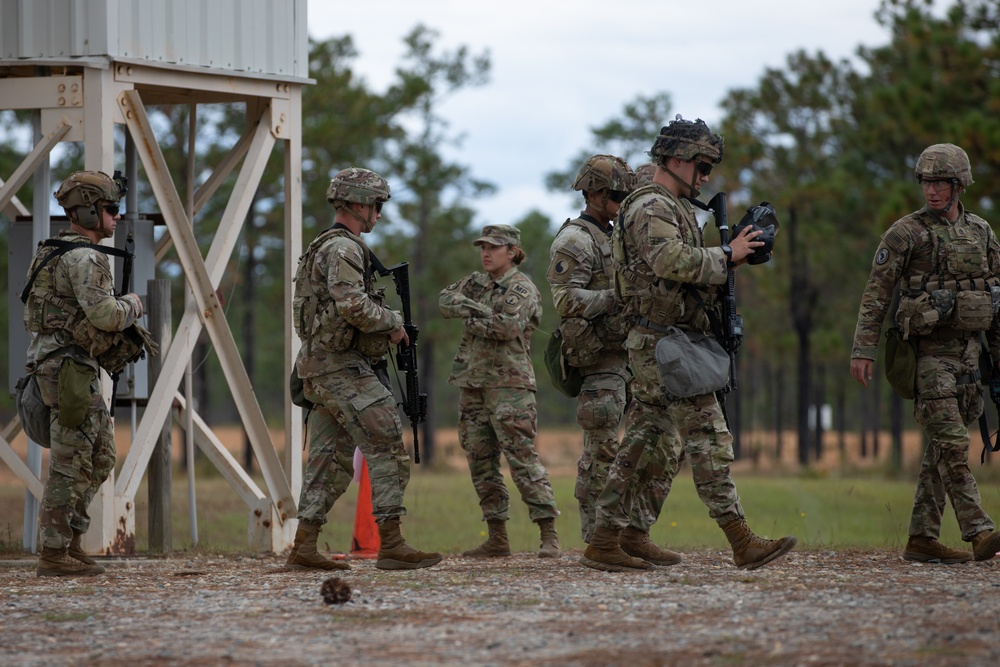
[367,225]
[954,197]
[690,186]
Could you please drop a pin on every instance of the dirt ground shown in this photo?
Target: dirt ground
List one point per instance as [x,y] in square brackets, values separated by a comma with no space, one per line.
[810,608]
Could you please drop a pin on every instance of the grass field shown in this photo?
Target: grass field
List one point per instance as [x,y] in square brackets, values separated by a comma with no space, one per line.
[823,511]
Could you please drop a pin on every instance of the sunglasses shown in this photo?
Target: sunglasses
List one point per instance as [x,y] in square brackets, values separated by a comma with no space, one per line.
[617,196]
[704,168]
[112,209]
[378,206]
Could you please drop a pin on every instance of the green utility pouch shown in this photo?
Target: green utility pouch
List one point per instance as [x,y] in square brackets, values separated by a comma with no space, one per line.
[567,379]
[296,388]
[973,311]
[901,363]
[75,382]
[36,417]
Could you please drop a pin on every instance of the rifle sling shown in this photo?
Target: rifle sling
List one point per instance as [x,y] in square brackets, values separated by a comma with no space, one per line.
[63,247]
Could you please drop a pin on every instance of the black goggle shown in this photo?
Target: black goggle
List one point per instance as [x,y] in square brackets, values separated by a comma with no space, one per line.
[704,167]
[617,196]
[112,209]
[378,206]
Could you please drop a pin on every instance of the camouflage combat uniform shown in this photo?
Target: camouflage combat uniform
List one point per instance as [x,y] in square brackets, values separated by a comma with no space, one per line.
[659,245]
[72,310]
[923,252]
[348,333]
[581,276]
[497,380]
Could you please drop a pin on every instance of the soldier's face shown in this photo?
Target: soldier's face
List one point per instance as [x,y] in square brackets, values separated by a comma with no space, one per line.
[110,215]
[937,194]
[497,259]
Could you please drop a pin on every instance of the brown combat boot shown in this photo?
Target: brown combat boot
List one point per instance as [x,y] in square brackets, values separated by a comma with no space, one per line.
[550,540]
[304,555]
[496,545]
[750,551]
[76,551]
[636,543]
[57,563]
[929,550]
[395,554]
[603,553]
[986,544]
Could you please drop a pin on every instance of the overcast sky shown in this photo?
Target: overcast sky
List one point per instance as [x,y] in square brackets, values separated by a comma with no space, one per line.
[560,68]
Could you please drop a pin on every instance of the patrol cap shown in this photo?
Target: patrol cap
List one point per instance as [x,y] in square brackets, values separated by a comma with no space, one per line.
[500,235]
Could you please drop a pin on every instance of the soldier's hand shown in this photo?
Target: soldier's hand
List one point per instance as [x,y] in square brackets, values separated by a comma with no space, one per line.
[138,301]
[861,370]
[397,335]
[744,244]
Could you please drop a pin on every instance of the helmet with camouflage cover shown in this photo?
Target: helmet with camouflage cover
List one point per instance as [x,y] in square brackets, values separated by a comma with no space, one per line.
[944,162]
[82,190]
[358,186]
[605,172]
[685,140]
[644,173]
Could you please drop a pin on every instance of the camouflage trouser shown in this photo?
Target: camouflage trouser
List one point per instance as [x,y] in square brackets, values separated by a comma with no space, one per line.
[948,399]
[598,412]
[692,427]
[492,421]
[80,460]
[353,409]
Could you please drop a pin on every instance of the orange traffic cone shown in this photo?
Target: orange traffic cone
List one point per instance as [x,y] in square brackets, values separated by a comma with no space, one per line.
[365,542]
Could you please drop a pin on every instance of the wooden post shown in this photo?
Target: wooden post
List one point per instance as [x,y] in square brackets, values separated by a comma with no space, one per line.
[160,473]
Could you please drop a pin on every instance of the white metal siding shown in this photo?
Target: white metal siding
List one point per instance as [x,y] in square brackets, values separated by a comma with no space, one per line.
[254,36]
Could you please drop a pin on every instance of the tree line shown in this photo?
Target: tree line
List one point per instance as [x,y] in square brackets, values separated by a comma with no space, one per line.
[831,144]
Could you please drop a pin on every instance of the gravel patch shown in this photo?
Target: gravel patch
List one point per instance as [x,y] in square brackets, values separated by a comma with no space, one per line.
[810,608]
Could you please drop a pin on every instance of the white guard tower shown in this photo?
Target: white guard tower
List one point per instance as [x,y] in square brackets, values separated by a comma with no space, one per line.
[83,66]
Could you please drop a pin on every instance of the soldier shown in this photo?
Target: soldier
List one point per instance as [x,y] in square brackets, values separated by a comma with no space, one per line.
[345,330]
[945,261]
[500,308]
[73,318]
[581,275]
[658,249]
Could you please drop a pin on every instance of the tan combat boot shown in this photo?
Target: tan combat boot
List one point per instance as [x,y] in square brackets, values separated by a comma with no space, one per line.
[603,553]
[496,545]
[750,551]
[636,543]
[57,563]
[550,540]
[76,552]
[395,554]
[929,550]
[986,544]
[304,555]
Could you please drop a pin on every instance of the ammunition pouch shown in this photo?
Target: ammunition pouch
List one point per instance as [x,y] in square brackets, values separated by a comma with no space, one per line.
[581,345]
[974,311]
[921,312]
[373,344]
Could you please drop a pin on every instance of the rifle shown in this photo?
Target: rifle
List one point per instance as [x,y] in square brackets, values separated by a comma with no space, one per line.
[730,330]
[125,289]
[414,403]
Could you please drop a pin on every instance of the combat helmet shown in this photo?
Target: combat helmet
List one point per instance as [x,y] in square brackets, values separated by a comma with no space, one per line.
[685,140]
[944,162]
[82,190]
[605,172]
[358,186]
[644,173]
